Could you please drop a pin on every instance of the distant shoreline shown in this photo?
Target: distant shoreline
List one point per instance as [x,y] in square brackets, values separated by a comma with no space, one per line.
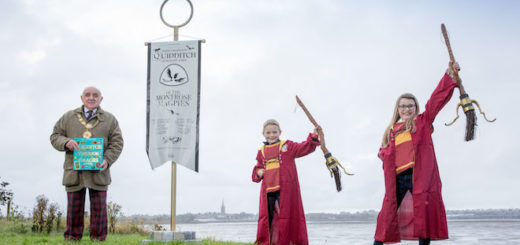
[370,216]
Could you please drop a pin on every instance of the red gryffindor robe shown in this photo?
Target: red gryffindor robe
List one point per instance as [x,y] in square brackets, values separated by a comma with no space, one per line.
[424,209]
[290,222]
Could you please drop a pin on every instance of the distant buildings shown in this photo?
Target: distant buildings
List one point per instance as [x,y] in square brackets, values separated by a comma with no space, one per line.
[362,216]
[223,208]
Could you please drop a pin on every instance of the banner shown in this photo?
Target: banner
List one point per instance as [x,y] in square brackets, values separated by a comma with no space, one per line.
[173,97]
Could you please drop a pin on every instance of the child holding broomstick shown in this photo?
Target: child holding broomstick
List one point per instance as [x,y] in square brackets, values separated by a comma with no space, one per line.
[281,218]
[413,207]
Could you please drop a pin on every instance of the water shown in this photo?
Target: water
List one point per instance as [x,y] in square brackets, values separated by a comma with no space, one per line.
[462,232]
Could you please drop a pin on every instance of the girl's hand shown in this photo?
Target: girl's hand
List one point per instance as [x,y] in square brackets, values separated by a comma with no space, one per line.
[318,130]
[452,67]
[260,172]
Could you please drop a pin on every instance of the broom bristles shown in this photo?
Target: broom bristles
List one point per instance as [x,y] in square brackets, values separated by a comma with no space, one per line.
[471,123]
[337,178]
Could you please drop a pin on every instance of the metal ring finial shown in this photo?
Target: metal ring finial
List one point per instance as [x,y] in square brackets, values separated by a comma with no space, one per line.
[176,26]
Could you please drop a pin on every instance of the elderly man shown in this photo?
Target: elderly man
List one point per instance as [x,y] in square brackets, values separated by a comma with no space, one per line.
[87,121]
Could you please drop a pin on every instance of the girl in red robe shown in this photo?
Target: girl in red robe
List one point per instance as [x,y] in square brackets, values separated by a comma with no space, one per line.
[412,207]
[281,219]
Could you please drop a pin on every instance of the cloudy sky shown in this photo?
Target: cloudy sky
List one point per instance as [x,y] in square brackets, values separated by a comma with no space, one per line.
[347,60]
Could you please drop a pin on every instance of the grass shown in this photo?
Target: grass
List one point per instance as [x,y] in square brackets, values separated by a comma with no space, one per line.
[12,233]
[57,238]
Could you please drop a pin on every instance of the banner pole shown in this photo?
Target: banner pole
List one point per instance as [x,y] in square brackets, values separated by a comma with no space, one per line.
[174,166]
[174,186]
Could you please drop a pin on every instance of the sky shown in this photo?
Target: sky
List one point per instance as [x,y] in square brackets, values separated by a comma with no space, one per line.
[347,60]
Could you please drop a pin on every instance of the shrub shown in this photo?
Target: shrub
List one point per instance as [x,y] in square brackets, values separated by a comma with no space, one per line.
[113,213]
[6,196]
[39,213]
[58,220]
[157,227]
[44,215]
[51,215]
[131,227]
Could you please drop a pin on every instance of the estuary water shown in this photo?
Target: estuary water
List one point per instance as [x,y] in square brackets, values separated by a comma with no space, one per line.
[462,232]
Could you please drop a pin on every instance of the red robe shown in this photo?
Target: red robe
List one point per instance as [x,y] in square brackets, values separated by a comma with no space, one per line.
[290,223]
[427,215]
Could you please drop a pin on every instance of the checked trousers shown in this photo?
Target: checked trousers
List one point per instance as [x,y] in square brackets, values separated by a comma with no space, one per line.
[75,214]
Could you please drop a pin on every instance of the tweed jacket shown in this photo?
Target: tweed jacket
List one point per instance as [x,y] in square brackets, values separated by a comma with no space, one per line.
[68,127]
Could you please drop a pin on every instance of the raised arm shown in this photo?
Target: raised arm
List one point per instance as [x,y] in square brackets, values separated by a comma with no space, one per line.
[306,147]
[442,94]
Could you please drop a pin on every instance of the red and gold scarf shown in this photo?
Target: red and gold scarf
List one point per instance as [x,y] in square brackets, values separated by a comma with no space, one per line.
[272,156]
[404,153]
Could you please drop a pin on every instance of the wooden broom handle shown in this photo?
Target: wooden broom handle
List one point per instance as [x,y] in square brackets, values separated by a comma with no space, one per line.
[452,58]
[313,121]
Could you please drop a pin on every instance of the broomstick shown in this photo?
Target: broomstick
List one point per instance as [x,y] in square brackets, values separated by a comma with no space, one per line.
[330,161]
[465,101]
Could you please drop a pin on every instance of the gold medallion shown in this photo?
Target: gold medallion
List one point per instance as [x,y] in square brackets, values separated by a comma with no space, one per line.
[88,126]
[87,134]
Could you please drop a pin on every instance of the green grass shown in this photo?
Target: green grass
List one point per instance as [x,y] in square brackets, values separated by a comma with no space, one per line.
[57,238]
[10,234]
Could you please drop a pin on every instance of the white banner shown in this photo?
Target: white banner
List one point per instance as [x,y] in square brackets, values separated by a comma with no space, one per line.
[173,96]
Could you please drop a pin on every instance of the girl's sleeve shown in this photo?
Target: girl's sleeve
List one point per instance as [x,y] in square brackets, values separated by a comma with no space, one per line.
[306,147]
[259,165]
[382,152]
[439,98]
